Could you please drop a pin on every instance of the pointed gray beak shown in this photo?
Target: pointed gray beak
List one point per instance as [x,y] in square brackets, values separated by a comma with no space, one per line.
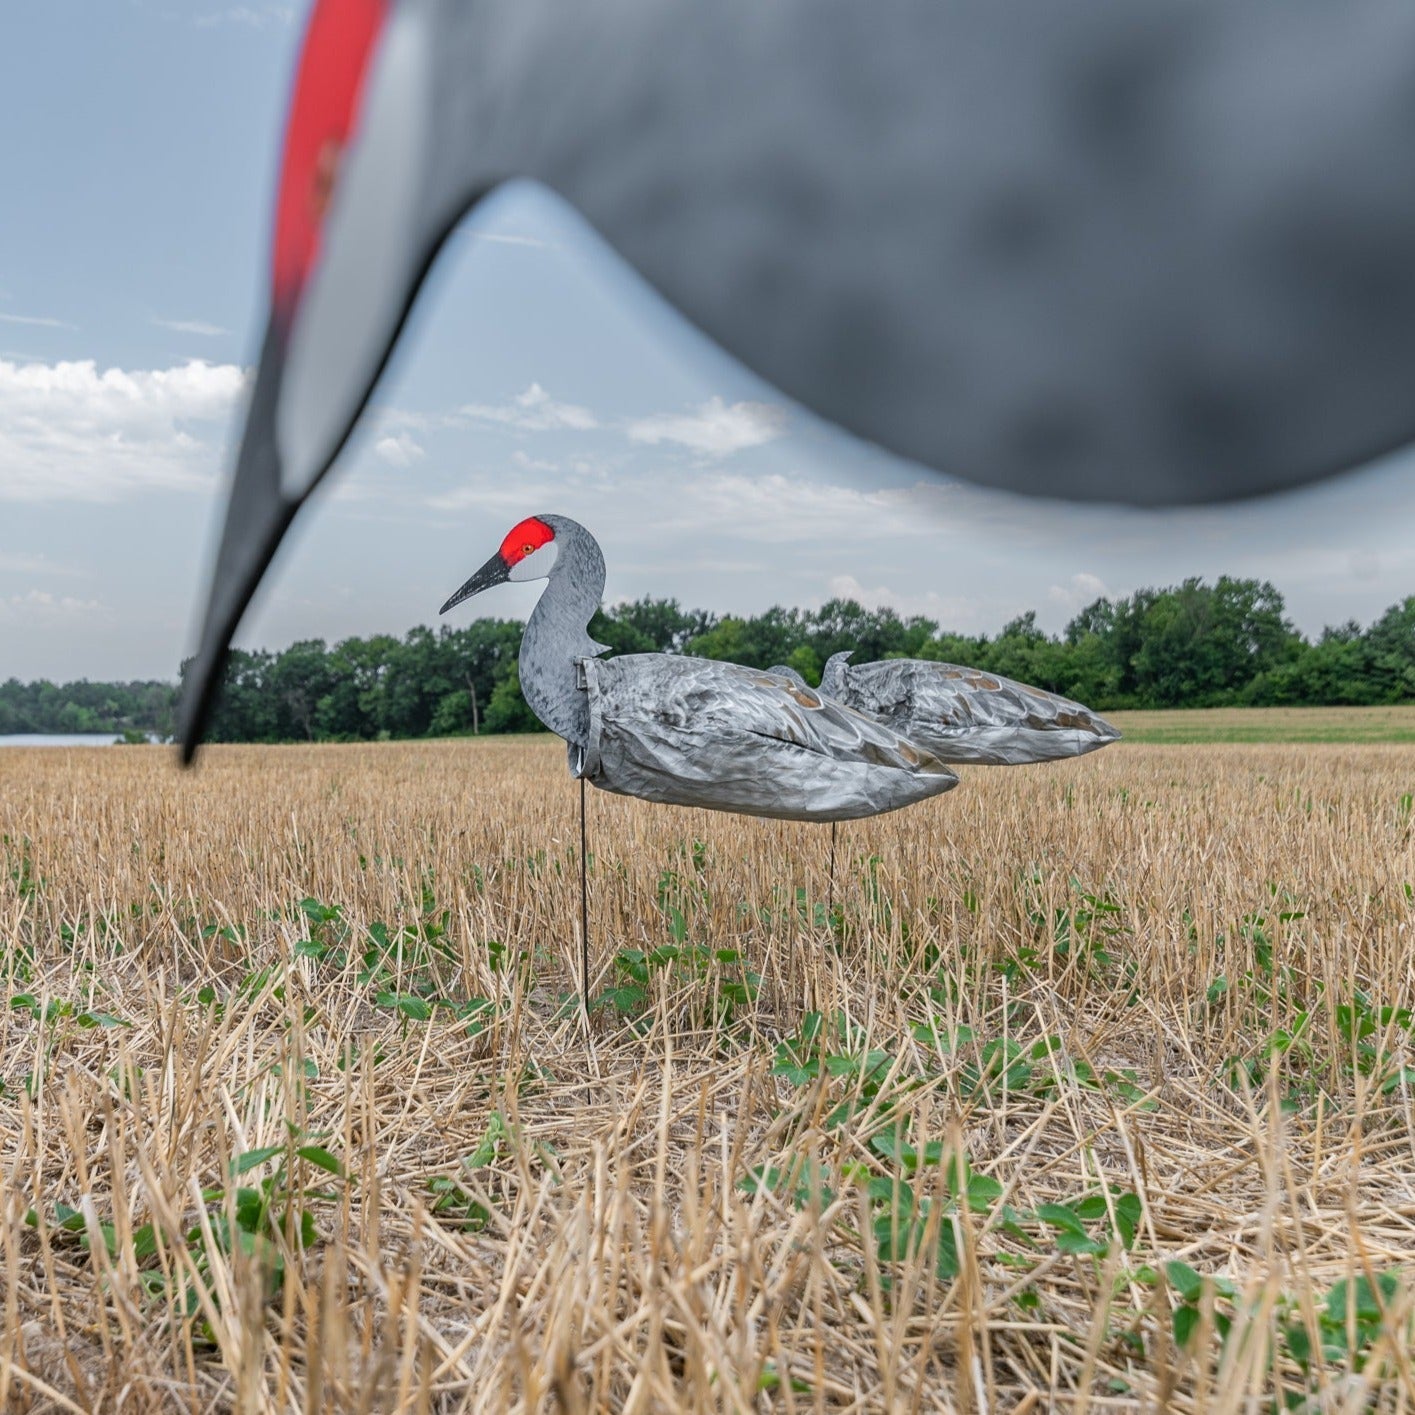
[494,572]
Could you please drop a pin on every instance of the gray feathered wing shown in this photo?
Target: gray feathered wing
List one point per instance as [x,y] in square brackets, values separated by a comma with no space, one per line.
[965,715]
[693,732]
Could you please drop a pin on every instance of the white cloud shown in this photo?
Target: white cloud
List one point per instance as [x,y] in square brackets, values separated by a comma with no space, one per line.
[400,449]
[714,428]
[533,411]
[779,509]
[70,432]
[496,494]
[191,326]
[743,508]
[1365,564]
[951,611]
[40,321]
[1080,590]
[531,484]
[39,606]
[472,498]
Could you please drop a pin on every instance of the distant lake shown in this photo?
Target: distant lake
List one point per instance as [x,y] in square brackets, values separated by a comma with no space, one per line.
[59,739]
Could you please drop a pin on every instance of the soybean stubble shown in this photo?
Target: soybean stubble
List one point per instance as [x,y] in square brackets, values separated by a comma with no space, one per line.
[1064,1029]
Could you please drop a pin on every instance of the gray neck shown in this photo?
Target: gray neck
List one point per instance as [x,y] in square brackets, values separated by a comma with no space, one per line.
[833,677]
[557,636]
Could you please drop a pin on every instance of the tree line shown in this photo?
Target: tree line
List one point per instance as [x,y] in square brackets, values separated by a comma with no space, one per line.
[1191,645]
[82,706]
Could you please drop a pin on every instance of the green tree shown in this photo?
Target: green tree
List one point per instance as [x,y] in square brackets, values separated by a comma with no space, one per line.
[656,625]
[726,640]
[298,680]
[804,660]
[1391,641]
[507,711]
[1202,645]
[1192,644]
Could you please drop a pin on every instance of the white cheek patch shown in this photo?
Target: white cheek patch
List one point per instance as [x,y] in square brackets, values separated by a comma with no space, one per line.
[537,565]
[360,281]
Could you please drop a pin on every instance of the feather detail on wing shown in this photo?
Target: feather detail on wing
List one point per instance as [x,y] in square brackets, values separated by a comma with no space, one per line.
[965,715]
[700,733]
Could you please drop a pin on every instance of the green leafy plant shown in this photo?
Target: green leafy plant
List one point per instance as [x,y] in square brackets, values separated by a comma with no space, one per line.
[834,1049]
[803,1181]
[718,976]
[452,1202]
[1355,1314]
[1365,1027]
[401,967]
[21,868]
[268,1218]
[902,1216]
[1074,1223]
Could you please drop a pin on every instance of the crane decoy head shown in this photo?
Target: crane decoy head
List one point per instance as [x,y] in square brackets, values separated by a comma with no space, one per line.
[347,243]
[357,224]
[528,552]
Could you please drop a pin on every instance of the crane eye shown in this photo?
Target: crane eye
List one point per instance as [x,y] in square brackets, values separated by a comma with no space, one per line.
[527,549]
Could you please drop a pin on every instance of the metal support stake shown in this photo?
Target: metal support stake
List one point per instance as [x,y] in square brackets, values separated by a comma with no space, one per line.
[584,914]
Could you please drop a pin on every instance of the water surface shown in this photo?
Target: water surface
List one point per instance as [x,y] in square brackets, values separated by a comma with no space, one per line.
[58,739]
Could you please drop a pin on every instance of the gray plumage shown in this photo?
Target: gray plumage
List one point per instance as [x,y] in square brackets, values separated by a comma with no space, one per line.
[557,636]
[1151,252]
[783,671]
[695,732]
[963,715]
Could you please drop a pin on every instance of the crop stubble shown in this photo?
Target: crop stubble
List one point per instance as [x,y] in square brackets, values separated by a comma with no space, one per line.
[674,1218]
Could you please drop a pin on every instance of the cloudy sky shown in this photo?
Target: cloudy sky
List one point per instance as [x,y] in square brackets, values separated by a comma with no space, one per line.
[537,375]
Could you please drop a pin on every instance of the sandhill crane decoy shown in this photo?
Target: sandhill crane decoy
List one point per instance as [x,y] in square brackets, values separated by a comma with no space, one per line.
[1153,253]
[690,731]
[963,715]
[687,731]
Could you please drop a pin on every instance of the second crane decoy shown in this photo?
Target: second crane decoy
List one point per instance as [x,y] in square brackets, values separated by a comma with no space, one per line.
[964,715]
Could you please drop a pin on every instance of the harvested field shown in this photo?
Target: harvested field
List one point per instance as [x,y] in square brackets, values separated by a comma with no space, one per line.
[1393,723]
[1086,1086]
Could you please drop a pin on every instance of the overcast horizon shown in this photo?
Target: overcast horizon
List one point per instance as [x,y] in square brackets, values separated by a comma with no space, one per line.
[537,374]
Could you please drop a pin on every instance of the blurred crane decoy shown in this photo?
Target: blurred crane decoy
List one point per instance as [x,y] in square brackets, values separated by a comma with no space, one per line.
[1154,253]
